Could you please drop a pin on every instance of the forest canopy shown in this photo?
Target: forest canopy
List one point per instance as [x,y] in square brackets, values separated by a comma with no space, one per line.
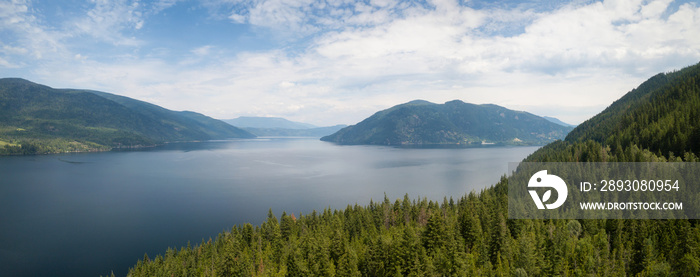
[472,235]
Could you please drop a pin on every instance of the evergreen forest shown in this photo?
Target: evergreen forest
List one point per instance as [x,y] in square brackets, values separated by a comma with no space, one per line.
[472,235]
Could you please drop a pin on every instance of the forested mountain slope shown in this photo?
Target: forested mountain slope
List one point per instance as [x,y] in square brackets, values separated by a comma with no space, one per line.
[660,117]
[188,125]
[471,236]
[455,122]
[39,119]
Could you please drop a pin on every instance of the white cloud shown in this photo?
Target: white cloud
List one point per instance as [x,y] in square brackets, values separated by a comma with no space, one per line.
[655,9]
[11,12]
[202,51]
[237,18]
[286,84]
[161,5]
[7,64]
[25,35]
[11,50]
[578,56]
[287,15]
[109,18]
[349,59]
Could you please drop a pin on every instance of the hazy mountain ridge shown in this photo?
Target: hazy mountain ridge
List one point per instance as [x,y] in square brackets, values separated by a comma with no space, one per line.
[38,119]
[422,123]
[267,123]
[280,127]
[282,132]
[557,121]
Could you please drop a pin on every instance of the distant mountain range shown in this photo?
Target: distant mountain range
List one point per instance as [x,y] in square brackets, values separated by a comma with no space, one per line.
[38,119]
[281,132]
[267,123]
[280,127]
[557,121]
[424,123]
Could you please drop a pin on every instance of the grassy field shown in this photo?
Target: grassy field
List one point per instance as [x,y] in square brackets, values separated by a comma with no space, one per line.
[3,143]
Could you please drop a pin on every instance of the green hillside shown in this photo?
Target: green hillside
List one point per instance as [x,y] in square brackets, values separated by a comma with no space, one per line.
[39,119]
[455,122]
[661,115]
[471,236]
[187,125]
[659,120]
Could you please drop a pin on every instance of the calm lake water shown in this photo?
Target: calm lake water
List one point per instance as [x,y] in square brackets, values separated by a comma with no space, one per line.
[93,213]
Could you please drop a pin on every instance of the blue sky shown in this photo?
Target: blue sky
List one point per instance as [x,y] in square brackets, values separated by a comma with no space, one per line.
[331,62]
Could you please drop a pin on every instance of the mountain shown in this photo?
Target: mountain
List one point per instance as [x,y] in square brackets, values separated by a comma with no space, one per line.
[267,123]
[472,235]
[557,121]
[282,132]
[662,115]
[197,126]
[421,123]
[280,127]
[38,119]
[657,121]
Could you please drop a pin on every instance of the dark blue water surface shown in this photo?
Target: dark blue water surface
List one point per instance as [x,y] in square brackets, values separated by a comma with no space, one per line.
[93,213]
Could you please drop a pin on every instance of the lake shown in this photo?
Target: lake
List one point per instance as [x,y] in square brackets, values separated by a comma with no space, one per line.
[92,213]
